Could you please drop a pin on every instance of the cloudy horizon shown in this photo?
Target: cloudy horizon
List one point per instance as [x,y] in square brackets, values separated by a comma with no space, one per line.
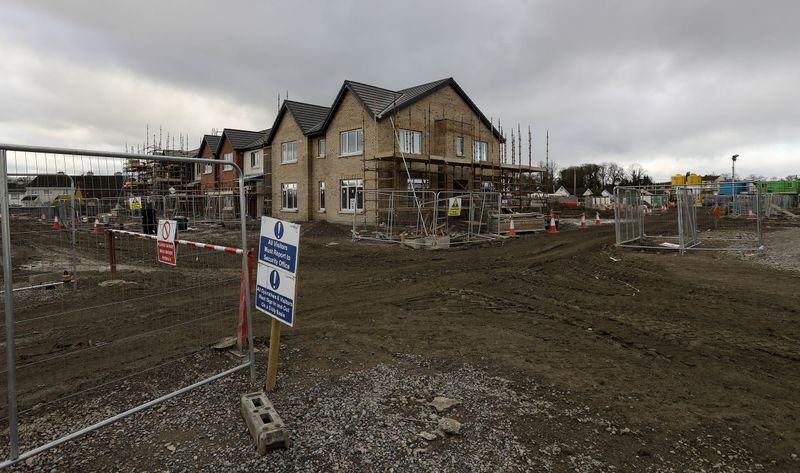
[674,86]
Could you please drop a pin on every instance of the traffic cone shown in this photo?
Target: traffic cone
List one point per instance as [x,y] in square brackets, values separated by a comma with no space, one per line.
[512,232]
[96,226]
[751,215]
[56,223]
[597,219]
[552,228]
[583,221]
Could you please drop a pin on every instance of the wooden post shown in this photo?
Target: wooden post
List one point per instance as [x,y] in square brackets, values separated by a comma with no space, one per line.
[272,361]
[112,253]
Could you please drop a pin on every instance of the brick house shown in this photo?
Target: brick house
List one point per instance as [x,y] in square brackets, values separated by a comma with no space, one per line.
[246,149]
[326,157]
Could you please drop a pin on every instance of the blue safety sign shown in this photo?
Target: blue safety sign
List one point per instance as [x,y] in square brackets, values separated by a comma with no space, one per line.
[278,244]
[275,294]
[276,279]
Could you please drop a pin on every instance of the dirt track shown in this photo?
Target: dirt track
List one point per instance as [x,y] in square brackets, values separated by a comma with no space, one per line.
[679,363]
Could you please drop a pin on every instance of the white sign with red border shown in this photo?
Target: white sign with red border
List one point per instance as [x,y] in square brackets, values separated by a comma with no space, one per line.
[167,251]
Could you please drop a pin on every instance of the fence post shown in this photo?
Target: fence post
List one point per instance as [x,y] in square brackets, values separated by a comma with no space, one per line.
[112,253]
[246,270]
[11,357]
[243,328]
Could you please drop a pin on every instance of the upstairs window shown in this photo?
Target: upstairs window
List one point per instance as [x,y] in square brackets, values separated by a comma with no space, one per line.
[289,152]
[351,142]
[321,148]
[480,150]
[228,158]
[459,146]
[410,141]
[255,159]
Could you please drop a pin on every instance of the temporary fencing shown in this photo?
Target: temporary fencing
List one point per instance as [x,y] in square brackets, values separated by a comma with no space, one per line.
[690,217]
[96,328]
[399,215]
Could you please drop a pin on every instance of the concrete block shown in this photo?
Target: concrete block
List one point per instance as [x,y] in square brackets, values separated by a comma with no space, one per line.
[265,425]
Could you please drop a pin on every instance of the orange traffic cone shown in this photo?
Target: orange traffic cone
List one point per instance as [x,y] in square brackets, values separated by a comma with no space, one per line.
[512,232]
[597,219]
[552,228]
[583,221]
[96,226]
[56,223]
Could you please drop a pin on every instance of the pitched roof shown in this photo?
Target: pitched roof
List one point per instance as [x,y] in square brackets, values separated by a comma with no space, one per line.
[308,117]
[259,142]
[51,180]
[212,141]
[93,186]
[381,103]
[240,139]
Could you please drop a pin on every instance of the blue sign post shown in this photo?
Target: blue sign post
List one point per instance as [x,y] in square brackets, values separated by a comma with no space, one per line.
[276,282]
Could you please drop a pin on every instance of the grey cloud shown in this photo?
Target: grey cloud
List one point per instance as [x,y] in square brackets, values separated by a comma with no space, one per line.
[665,84]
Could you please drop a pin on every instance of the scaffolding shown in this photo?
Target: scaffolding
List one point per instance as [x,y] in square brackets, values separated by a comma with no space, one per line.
[416,184]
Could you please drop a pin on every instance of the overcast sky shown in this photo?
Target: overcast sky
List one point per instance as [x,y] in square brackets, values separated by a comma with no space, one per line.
[673,85]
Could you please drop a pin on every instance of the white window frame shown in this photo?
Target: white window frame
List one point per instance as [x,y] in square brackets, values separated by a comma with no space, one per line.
[321,148]
[345,186]
[257,162]
[289,152]
[358,141]
[321,200]
[410,141]
[419,184]
[286,199]
[209,168]
[480,151]
[228,158]
[459,146]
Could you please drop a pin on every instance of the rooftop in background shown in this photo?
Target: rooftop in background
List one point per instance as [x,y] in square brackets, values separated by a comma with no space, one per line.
[91,186]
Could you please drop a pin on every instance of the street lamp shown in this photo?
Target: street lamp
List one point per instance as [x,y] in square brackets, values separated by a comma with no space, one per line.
[733,167]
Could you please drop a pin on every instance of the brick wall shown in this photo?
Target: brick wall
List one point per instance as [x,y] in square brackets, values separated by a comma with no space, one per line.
[297,172]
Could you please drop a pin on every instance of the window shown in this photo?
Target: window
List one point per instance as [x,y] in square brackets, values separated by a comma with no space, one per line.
[480,151]
[418,184]
[228,157]
[321,148]
[289,196]
[289,152]
[459,146]
[255,159]
[352,189]
[410,141]
[209,168]
[321,196]
[351,142]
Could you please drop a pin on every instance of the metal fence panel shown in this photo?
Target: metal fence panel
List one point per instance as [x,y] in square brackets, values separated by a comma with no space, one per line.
[467,217]
[86,346]
[628,215]
[689,217]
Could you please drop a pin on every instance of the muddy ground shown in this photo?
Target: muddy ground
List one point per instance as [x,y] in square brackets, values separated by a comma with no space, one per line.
[565,353]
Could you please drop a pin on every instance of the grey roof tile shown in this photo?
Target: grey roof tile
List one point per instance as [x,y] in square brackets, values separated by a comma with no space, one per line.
[240,139]
[307,115]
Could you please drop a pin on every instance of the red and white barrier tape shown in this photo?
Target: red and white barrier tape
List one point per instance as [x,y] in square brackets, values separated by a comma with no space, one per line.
[207,246]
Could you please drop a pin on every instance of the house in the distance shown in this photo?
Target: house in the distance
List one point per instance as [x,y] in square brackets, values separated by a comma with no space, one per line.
[326,160]
[246,149]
